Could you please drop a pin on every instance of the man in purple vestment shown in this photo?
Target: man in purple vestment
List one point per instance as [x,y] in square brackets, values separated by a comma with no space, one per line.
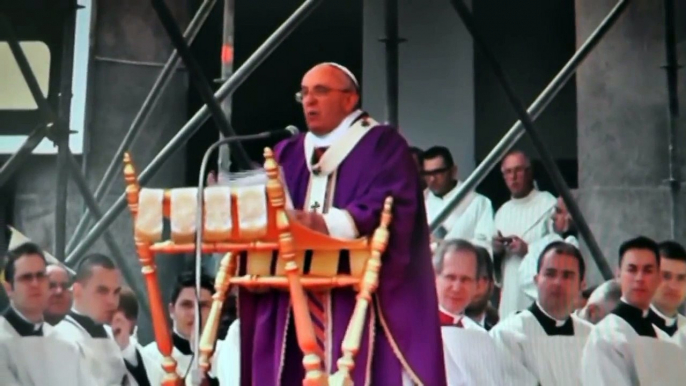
[343,196]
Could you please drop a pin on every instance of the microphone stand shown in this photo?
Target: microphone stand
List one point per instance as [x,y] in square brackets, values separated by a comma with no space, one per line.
[196,374]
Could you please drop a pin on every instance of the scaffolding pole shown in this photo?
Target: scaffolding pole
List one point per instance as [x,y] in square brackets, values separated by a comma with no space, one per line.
[58,132]
[175,144]
[392,42]
[199,81]
[548,160]
[537,107]
[672,71]
[163,79]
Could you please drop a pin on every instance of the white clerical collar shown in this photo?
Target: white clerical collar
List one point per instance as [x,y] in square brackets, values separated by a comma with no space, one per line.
[36,326]
[456,317]
[669,322]
[558,323]
[176,331]
[329,138]
[523,200]
[481,320]
[644,313]
[129,353]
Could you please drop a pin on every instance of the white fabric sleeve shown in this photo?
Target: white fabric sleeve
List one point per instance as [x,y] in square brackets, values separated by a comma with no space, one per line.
[340,224]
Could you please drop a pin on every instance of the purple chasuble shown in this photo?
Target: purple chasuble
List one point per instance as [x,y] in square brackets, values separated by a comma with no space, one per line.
[405,303]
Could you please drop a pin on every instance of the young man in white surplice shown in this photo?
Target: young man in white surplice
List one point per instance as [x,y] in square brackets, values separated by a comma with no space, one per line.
[472,218]
[471,357]
[182,311]
[142,369]
[547,338]
[519,222]
[564,229]
[96,296]
[31,351]
[670,295]
[625,348]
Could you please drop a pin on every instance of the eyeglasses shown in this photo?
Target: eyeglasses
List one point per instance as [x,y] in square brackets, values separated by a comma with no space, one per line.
[435,172]
[317,92]
[64,286]
[31,276]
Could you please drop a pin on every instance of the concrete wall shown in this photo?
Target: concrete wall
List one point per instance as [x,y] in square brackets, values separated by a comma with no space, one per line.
[622,112]
[436,86]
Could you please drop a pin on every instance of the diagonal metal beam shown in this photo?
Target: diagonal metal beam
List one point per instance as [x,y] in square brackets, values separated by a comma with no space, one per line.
[200,81]
[36,136]
[127,272]
[548,161]
[536,109]
[198,119]
[141,119]
[66,162]
[17,159]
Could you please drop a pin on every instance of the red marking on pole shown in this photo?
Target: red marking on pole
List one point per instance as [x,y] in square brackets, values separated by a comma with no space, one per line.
[227,53]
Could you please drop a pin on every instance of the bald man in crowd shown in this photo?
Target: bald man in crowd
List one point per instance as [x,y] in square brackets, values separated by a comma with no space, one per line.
[59,302]
[520,222]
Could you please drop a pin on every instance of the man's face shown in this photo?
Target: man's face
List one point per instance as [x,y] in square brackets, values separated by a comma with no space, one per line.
[639,277]
[29,289]
[439,178]
[558,282]
[327,97]
[517,174]
[484,288]
[183,311]
[98,296]
[60,291]
[456,284]
[672,290]
[561,218]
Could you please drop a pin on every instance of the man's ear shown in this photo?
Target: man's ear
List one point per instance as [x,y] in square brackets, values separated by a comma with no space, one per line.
[77,289]
[453,171]
[8,288]
[582,285]
[536,279]
[171,310]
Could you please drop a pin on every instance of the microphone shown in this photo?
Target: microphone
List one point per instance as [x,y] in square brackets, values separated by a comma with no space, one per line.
[287,132]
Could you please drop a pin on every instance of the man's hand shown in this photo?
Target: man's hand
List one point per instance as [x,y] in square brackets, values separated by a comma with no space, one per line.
[211,179]
[312,220]
[499,242]
[121,337]
[518,246]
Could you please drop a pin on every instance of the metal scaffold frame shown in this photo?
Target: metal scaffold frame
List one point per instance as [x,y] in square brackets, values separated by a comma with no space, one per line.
[56,129]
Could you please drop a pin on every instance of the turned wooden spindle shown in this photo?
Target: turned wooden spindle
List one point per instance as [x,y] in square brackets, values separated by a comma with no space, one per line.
[149,270]
[227,270]
[314,376]
[370,282]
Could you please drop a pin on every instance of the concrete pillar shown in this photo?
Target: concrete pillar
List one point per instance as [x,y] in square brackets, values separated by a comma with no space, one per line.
[433,109]
[130,48]
[622,125]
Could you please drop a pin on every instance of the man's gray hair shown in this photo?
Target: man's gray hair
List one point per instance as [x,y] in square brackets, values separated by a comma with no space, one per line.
[454,245]
[608,291]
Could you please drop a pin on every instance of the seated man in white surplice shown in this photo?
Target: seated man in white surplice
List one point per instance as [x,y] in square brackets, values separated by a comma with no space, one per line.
[547,338]
[472,218]
[31,351]
[96,296]
[625,348]
[471,357]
